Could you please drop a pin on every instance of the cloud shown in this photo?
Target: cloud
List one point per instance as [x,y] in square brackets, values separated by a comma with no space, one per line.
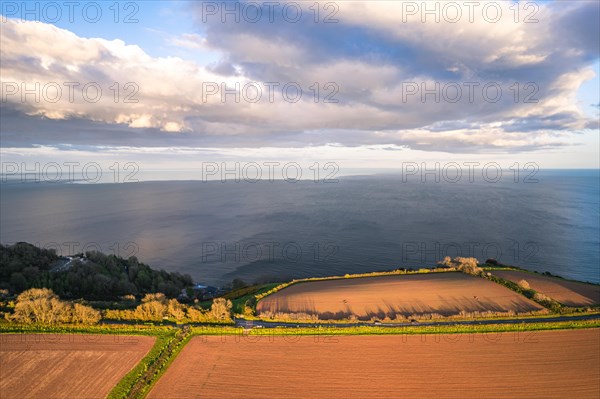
[379,76]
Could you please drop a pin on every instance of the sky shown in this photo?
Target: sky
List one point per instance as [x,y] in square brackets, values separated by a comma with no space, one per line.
[367,85]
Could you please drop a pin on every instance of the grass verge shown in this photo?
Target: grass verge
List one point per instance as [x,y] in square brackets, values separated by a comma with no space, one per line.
[400,330]
[138,382]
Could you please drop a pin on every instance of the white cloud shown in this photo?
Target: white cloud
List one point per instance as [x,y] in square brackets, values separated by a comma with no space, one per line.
[371,59]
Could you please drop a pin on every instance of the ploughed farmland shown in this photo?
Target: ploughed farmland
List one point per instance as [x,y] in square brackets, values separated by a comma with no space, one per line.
[570,293]
[395,296]
[545,364]
[66,365]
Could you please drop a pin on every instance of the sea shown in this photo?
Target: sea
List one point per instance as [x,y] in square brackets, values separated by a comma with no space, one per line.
[274,230]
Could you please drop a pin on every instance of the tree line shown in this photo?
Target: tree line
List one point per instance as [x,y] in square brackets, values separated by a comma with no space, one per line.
[99,277]
[42,306]
[157,307]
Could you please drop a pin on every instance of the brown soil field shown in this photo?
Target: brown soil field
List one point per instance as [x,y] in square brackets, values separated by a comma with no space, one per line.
[570,293]
[66,365]
[545,364]
[446,293]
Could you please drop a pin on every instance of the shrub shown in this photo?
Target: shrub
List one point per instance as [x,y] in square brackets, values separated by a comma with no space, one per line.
[465,265]
[84,314]
[248,310]
[539,297]
[524,284]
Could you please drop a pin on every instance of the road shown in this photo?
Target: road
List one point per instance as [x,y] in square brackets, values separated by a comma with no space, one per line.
[247,324]
[239,322]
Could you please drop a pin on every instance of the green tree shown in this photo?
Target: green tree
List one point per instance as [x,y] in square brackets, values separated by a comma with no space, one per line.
[237,284]
[18,282]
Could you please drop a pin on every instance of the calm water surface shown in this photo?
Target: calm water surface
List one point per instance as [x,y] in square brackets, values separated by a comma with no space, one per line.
[276,230]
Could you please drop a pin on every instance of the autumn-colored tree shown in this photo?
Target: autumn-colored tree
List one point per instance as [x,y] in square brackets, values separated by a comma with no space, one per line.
[82,314]
[151,311]
[175,310]
[36,293]
[196,315]
[42,305]
[220,309]
[158,297]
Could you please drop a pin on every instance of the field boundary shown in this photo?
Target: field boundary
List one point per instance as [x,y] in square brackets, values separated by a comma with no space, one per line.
[399,330]
[170,341]
[548,303]
[138,382]
[539,297]
[546,274]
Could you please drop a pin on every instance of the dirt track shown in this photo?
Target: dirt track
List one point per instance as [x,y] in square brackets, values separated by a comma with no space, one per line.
[570,293]
[443,293]
[66,365]
[549,364]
